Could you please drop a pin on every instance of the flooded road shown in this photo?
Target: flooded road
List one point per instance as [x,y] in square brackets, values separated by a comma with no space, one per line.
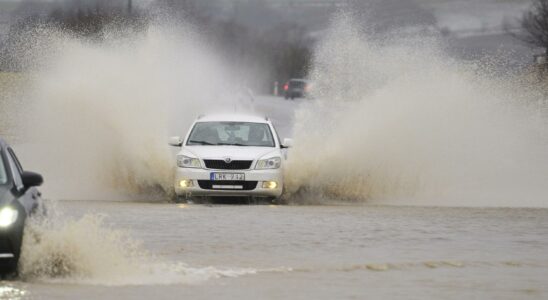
[308,252]
[438,133]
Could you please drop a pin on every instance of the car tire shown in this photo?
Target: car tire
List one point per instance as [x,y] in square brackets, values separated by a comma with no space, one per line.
[180,199]
[8,269]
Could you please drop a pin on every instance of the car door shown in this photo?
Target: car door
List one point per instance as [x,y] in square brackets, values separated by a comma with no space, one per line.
[28,197]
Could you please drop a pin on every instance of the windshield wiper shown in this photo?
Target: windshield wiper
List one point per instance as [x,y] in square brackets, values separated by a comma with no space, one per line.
[201,142]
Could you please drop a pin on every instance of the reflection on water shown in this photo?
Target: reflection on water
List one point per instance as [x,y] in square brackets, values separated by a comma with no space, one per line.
[10,292]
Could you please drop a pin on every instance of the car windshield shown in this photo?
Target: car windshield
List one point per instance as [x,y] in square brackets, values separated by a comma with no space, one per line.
[297,84]
[3,173]
[232,134]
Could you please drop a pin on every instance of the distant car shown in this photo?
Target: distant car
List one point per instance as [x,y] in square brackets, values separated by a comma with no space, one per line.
[297,88]
[19,198]
[230,156]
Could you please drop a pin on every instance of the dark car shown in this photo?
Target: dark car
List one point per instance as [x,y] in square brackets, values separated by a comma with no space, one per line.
[296,88]
[19,198]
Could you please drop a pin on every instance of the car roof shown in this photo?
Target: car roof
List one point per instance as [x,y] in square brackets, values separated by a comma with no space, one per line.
[232,118]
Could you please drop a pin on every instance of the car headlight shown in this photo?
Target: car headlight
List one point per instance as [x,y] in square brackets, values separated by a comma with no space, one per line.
[8,216]
[188,162]
[269,163]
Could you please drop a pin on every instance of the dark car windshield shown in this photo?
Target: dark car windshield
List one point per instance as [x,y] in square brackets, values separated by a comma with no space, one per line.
[232,134]
[297,84]
[3,173]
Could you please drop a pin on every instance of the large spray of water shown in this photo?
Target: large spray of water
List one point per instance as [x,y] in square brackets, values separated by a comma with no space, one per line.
[398,121]
[395,120]
[89,251]
[100,112]
[96,117]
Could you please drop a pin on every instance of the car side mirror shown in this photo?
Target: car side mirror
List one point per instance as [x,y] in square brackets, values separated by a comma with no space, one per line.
[31,179]
[176,141]
[288,143]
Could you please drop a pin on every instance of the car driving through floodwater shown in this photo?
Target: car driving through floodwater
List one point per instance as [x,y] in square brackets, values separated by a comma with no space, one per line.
[230,156]
[19,199]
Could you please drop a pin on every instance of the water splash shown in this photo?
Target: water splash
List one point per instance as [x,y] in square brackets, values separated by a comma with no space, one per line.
[89,251]
[102,111]
[398,121]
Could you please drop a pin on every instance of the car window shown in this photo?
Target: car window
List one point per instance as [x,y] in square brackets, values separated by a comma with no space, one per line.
[231,133]
[297,84]
[16,168]
[3,173]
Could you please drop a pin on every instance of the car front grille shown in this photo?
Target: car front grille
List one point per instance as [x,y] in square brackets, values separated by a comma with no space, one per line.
[222,165]
[227,185]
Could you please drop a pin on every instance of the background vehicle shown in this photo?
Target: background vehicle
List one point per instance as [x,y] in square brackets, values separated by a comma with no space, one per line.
[19,198]
[297,88]
[230,156]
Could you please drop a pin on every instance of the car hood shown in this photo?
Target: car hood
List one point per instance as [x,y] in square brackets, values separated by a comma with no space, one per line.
[5,195]
[234,152]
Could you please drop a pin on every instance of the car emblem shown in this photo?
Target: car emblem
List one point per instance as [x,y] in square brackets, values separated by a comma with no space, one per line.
[228,160]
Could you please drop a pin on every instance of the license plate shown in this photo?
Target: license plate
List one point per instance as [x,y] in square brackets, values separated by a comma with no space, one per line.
[227,176]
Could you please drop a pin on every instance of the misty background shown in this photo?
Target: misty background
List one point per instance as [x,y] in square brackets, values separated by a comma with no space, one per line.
[273,40]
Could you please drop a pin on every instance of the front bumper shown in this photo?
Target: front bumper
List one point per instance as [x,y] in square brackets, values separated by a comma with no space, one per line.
[7,248]
[203,186]
[10,244]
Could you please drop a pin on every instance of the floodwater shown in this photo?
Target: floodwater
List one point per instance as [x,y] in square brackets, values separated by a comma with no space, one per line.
[309,252]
